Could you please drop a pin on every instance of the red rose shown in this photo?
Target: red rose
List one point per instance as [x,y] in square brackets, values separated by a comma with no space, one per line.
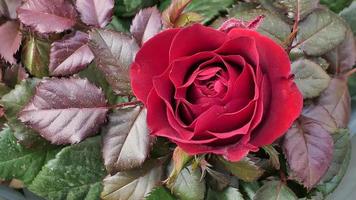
[214,92]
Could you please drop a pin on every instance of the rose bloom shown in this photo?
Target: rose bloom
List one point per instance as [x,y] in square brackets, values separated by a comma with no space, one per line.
[211,91]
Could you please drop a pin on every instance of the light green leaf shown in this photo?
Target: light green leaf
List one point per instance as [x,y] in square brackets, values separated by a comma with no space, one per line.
[250,188]
[75,173]
[229,193]
[349,15]
[160,193]
[336,5]
[244,169]
[310,78]
[275,190]
[320,32]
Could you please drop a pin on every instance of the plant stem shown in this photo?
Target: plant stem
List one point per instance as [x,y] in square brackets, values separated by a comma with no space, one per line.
[121,105]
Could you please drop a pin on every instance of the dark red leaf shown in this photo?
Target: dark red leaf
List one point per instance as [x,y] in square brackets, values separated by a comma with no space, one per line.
[8,8]
[14,75]
[10,40]
[172,13]
[65,110]
[146,24]
[48,16]
[236,23]
[95,12]
[70,55]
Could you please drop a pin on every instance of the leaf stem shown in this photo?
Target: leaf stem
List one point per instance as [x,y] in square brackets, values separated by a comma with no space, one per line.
[121,105]
[291,37]
[350,72]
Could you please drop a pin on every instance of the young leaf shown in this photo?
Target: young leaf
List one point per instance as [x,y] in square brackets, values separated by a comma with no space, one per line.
[308,149]
[75,173]
[19,162]
[133,184]
[8,8]
[349,16]
[180,159]
[229,193]
[65,111]
[320,32]
[13,75]
[10,40]
[95,12]
[273,156]
[172,13]
[146,24]
[245,169]
[127,128]
[35,56]
[160,193]
[275,190]
[114,52]
[70,55]
[45,16]
[310,78]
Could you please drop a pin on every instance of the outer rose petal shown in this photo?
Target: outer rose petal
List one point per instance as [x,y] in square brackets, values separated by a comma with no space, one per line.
[286,101]
[151,61]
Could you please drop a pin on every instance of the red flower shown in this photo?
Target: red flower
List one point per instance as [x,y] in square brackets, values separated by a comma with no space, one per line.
[214,92]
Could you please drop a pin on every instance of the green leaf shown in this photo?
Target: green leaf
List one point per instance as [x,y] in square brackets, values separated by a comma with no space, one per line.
[179,160]
[75,173]
[229,193]
[19,162]
[275,190]
[272,26]
[133,184]
[188,185]
[310,78]
[249,188]
[349,15]
[273,156]
[320,32]
[127,8]
[244,169]
[160,193]
[119,24]
[35,56]
[352,88]
[336,5]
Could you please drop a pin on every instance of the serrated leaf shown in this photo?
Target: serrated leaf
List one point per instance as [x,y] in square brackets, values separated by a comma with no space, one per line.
[70,55]
[275,190]
[133,184]
[119,24]
[349,15]
[273,156]
[308,149]
[320,32]
[320,115]
[13,75]
[179,160]
[45,16]
[114,52]
[188,18]
[65,111]
[8,8]
[35,56]
[272,26]
[128,8]
[127,128]
[310,78]
[75,173]
[244,169]
[188,185]
[171,14]
[229,193]
[19,162]
[95,12]
[336,6]
[146,24]
[10,40]
[160,193]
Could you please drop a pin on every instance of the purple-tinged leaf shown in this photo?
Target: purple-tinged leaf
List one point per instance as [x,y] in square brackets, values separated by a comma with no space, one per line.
[318,114]
[337,101]
[309,149]
[65,111]
[13,75]
[114,52]
[48,16]
[146,24]
[127,128]
[173,12]
[10,40]
[70,55]
[236,23]
[8,8]
[95,12]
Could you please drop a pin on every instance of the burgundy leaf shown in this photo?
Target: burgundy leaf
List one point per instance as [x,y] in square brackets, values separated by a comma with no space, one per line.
[48,16]
[14,75]
[70,55]
[337,101]
[318,114]
[236,23]
[172,13]
[95,12]
[308,149]
[10,40]
[65,111]
[146,24]
[8,8]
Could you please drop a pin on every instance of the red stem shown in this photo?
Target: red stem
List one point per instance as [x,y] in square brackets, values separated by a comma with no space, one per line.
[120,105]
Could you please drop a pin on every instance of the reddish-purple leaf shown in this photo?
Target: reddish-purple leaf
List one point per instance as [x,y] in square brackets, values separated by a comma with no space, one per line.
[48,16]
[10,40]
[95,12]
[14,75]
[65,111]
[70,55]
[236,23]
[8,8]
[308,149]
[318,114]
[146,24]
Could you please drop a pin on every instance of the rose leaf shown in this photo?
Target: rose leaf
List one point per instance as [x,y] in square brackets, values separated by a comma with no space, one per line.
[310,78]
[171,14]
[75,173]
[124,8]
[160,193]
[273,156]
[10,40]
[336,6]
[352,89]
[244,169]
[45,16]
[65,111]
[146,24]
[127,128]
[275,190]
[133,184]
[70,55]
[97,13]
[8,8]
[114,52]
[13,75]
[320,32]
[349,16]
[229,193]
